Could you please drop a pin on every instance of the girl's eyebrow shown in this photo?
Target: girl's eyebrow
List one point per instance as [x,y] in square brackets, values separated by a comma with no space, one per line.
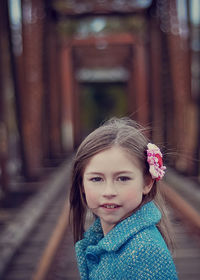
[115,173]
[93,173]
[124,172]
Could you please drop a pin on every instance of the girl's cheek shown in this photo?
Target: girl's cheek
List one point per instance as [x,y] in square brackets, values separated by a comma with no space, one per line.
[137,195]
[91,198]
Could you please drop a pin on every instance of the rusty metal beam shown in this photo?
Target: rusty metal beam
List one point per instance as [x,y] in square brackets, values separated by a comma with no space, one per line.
[32,97]
[111,39]
[62,11]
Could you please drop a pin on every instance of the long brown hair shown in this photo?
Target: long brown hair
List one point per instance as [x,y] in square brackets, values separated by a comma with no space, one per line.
[126,134]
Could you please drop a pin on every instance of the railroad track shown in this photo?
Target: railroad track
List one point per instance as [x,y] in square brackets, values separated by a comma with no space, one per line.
[25,262]
[48,254]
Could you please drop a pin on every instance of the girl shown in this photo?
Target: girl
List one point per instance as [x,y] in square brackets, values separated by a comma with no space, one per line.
[115,175]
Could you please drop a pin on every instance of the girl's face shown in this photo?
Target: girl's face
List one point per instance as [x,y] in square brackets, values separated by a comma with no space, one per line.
[114,185]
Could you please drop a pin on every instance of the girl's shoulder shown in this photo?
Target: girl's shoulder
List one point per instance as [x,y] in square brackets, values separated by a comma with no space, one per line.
[147,242]
[146,256]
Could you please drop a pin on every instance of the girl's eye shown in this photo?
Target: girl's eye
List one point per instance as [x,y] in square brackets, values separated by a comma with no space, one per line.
[123,178]
[96,179]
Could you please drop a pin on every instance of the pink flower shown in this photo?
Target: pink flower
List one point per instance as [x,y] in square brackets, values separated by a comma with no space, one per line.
[154,158]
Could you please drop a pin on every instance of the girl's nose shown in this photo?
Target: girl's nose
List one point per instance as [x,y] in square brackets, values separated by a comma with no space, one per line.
[109,190]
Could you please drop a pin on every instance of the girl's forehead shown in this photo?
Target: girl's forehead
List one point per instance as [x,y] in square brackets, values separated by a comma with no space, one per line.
[114,151]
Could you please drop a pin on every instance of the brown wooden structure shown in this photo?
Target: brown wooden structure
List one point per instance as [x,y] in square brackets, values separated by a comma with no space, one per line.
[43,67]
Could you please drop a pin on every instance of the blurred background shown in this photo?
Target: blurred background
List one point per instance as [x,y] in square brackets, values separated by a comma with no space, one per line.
[68,65]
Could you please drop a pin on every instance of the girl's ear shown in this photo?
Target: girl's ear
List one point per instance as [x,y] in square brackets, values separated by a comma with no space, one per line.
[148,185]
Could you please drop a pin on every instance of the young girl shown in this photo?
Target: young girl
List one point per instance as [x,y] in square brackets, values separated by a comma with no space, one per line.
[115,175]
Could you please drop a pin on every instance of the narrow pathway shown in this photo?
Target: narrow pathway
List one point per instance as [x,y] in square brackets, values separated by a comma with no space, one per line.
[187,252]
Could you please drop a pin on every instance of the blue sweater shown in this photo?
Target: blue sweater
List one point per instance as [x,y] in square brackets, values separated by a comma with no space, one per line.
[133,249]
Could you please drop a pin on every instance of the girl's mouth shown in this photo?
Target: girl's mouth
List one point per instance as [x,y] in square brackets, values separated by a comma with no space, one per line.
[110,206]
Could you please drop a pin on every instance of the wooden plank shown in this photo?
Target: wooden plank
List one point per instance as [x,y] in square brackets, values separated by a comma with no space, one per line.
[182,207]
[47,257]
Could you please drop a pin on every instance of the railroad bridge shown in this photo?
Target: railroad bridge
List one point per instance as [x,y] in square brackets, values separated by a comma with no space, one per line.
[65,67]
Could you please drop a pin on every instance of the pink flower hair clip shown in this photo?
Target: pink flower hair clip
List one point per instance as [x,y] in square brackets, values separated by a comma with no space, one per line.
[154,158]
